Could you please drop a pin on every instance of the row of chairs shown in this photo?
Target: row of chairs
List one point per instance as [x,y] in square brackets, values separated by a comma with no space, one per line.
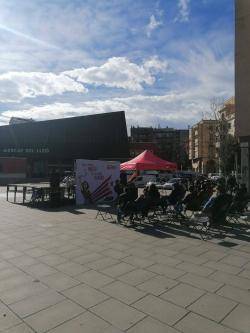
[192,220]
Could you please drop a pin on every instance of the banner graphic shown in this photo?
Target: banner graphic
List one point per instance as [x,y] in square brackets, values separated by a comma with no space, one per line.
[95,180]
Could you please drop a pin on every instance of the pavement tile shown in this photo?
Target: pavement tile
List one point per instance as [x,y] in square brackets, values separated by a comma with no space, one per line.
[232,280]
[194,323]
[201,282]
[59,281]
[245,248]
[52,259]
[36,303]
[87,258]
[36,252]
[72,268]
[8,254]
[123,292]
[183,294]
[150,325]
[85,295]
[14,281]
[213,306]
[189,258]
[102,263]
[75,253]
[157,285]
[84,323]
[220,266]
[245,274]
[115,254]
[136,277]
[23,261]
[118,246]
[159,309]
[53,316]
[178,246]
[65,248]
[239,319]
[138,252]
[112,329]
[7,318]
[196,269]
[234,260]
[20,292]
[8,272]
[138,262]
[117,270]
[5,264]
[162,259]
[94,247]
[40,270]
[213,255]
[22,328]
[118,314]
[238,252]
[164,250]
[94,278]
[170,272]
[236,294]
[195,250]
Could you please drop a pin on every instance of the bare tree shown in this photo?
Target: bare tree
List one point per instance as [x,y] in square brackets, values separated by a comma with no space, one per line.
[226,144]
[216,104]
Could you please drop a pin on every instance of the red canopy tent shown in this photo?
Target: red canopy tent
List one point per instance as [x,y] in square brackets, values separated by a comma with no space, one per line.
[148,161]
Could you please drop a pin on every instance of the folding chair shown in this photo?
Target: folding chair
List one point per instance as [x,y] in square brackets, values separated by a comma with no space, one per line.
[105,210]
[199,222]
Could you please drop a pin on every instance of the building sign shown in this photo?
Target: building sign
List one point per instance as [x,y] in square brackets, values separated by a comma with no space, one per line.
[95,180]
[26,150]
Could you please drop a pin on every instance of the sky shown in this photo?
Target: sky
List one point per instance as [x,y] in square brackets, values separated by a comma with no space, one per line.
[162,62]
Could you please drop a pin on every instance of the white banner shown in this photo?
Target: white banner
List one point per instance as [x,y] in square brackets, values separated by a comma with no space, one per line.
[95,180]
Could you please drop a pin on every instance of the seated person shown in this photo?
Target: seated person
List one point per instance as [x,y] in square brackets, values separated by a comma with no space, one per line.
[231,183]
[149,199]
[191,195]
[217,206]
[126,201]
[133,190]
[118,188]
[203,196]
[175,197]
[240,200]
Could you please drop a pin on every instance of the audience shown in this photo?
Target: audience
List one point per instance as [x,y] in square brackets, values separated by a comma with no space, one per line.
[203,195]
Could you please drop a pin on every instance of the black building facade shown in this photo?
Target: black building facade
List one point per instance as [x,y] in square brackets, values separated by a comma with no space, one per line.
[57,143]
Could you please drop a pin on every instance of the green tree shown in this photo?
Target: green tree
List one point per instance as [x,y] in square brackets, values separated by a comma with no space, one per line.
[227,152]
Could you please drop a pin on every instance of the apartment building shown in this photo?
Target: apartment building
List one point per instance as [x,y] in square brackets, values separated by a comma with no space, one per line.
[202,151]
[170,144]
[227,115]
[226,142]
[242,84]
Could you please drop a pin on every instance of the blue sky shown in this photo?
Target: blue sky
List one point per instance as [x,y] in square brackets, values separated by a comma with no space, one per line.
[162,62]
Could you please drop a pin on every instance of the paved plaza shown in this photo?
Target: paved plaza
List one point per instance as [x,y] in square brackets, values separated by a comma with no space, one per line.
[64,271]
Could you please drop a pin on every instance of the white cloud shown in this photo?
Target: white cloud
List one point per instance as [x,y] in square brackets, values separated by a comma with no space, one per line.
[152,25]
[119,72]
[142,110]
[184,11]
[15,86]
[154,65]
[204,71]
[202,74]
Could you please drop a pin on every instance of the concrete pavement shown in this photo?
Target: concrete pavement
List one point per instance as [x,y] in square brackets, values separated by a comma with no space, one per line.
[64,271]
